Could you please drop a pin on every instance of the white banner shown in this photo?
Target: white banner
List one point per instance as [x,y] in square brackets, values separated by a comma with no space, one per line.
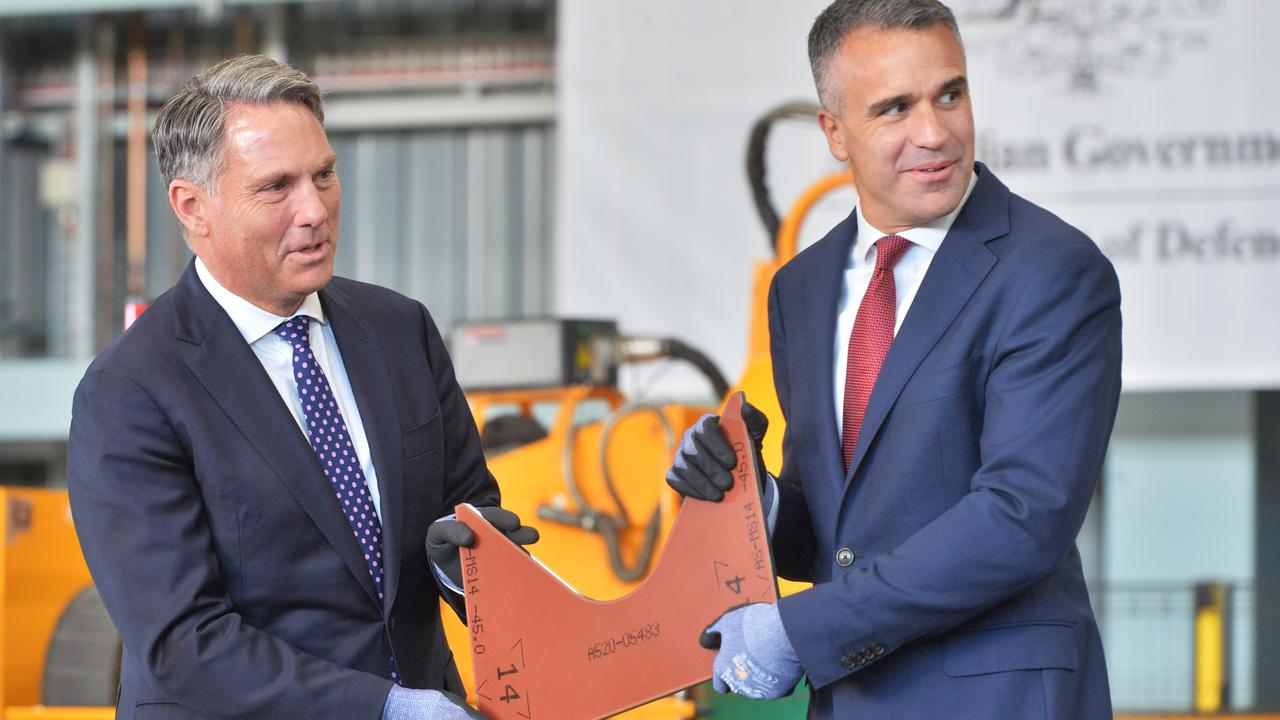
[1153,125]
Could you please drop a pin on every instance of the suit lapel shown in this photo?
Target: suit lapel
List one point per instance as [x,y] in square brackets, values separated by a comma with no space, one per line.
[370,378]
[959,267]
[826,285]
[233,376]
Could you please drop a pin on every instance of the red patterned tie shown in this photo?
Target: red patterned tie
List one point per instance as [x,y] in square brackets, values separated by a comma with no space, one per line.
[870,340]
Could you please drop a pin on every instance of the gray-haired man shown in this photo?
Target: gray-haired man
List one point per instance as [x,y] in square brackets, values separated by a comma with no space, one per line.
[255,465]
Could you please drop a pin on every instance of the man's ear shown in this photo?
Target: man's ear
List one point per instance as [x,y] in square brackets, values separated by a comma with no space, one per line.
[830,125]
[191,205]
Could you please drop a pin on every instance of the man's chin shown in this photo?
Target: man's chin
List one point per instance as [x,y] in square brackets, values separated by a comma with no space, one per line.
[939,204]
[309,280]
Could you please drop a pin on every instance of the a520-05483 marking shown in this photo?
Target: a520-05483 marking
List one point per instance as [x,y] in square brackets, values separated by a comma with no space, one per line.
[624,639]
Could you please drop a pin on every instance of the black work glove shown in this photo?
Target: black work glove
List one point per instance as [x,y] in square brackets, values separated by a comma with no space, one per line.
[704,463]
[444,537]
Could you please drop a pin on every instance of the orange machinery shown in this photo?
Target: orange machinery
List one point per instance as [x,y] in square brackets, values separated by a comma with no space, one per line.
[57,640]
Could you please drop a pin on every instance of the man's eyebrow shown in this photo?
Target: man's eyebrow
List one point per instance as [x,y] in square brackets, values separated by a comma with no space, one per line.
[958,82]
[880,107]
[269,176]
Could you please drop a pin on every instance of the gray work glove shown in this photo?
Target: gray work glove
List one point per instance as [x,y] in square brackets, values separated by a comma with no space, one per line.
[406,704]
[755,656]
[704,463]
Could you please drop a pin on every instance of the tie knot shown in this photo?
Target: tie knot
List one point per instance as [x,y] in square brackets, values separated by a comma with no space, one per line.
[889,249]
[295,330]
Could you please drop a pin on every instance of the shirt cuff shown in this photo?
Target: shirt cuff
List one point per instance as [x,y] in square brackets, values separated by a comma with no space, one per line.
[447,584]
[441,577]
[770,502]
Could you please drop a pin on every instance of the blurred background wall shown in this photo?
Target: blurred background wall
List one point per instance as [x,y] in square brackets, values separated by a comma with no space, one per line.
[515,158]
[442,115]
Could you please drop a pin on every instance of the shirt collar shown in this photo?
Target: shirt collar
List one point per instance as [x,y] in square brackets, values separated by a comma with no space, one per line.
[928,236]
[253,322]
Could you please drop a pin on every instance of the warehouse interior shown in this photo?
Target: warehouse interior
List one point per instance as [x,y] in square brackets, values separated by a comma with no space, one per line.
[527,160]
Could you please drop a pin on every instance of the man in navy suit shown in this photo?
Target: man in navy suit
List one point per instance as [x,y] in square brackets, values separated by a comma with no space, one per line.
[255,466]
[948,364]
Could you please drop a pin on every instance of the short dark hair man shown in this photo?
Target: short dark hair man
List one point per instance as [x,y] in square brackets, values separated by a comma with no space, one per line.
[948,363]
[256,465]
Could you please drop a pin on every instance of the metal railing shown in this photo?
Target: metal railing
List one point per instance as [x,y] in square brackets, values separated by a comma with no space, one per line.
[1179,647]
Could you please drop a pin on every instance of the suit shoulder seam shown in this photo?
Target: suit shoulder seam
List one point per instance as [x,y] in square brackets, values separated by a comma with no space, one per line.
[1029,279]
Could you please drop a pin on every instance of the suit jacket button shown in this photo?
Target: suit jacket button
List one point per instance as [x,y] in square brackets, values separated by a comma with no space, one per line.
[847,662]
[391,623]
[878,650]
[845,557]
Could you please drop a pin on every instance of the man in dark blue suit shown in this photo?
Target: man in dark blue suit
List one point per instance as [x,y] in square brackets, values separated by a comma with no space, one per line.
[255,466]
[948,364]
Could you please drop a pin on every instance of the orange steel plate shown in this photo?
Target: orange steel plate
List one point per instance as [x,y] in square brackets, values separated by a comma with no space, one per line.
[542,651]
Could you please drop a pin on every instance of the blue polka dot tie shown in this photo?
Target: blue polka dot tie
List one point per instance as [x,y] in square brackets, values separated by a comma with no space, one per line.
[332,444]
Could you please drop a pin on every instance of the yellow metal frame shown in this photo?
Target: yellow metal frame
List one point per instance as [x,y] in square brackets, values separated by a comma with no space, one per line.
[41,571]
[40,712]
[757,377]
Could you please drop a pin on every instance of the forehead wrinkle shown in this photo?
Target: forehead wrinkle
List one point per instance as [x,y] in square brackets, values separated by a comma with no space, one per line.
[330,160]
[251,145]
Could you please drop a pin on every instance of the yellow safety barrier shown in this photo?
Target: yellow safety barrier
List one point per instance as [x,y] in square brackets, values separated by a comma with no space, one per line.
[1211,648]
[40,712]
[1228,716]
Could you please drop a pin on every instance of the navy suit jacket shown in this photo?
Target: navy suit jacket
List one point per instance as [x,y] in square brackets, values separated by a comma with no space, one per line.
[213,535]
[981,446]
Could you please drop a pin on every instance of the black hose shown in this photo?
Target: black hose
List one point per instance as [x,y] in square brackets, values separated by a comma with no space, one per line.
[756,170]
[640,566]
[607,527]
[678,349]
[595,520]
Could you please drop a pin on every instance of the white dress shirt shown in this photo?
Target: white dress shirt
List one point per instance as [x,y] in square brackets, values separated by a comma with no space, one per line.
[276,355]
[907,276]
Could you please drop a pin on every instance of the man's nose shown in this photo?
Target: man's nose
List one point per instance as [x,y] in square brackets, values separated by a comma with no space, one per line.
[310,210]
[927,129]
